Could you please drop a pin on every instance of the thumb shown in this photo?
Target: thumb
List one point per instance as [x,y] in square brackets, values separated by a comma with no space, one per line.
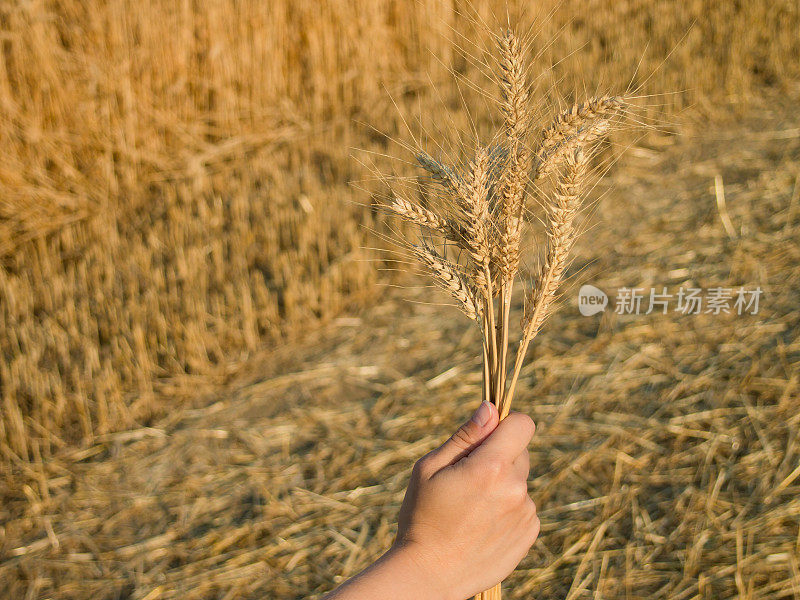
[468,437]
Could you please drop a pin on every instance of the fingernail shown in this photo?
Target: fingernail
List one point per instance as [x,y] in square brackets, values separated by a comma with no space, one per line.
[481,416]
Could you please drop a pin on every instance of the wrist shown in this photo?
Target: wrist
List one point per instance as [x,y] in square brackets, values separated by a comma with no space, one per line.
[411,565]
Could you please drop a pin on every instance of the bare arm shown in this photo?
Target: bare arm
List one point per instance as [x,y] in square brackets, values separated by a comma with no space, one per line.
[466,519]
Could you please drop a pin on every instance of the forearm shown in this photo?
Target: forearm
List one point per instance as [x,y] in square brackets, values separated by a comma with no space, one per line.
[397,575]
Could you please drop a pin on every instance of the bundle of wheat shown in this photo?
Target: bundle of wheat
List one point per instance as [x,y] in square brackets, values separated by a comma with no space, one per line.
[483,214]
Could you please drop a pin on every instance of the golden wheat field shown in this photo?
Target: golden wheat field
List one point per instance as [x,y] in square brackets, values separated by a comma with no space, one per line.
[216,371]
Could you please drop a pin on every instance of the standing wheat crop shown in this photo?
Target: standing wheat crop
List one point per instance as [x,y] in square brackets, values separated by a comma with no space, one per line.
[484,216]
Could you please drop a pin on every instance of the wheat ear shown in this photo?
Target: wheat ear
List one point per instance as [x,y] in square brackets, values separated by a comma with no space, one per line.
[579,125]
[514,105]
[568,122]
[475,209]
[419,215]
[448,277]
[447,176]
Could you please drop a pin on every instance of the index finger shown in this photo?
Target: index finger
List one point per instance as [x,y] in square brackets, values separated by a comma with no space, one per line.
[508,440]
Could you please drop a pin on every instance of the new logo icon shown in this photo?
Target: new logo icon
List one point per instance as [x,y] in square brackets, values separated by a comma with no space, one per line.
[591,300]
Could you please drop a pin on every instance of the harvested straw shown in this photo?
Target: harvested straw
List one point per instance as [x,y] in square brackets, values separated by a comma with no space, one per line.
[669,436]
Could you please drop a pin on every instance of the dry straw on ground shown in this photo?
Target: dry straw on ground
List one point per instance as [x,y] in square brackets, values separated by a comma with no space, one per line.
[664,464]
[167,170]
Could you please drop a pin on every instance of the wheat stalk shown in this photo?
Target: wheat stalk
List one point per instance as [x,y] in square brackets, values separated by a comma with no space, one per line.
[514,105]
[486,203]
[560,239]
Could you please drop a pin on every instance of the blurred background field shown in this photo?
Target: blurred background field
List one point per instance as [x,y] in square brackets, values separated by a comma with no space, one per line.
[207,392]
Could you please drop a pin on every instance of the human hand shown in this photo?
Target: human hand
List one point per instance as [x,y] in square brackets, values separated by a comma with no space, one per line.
[467,520]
